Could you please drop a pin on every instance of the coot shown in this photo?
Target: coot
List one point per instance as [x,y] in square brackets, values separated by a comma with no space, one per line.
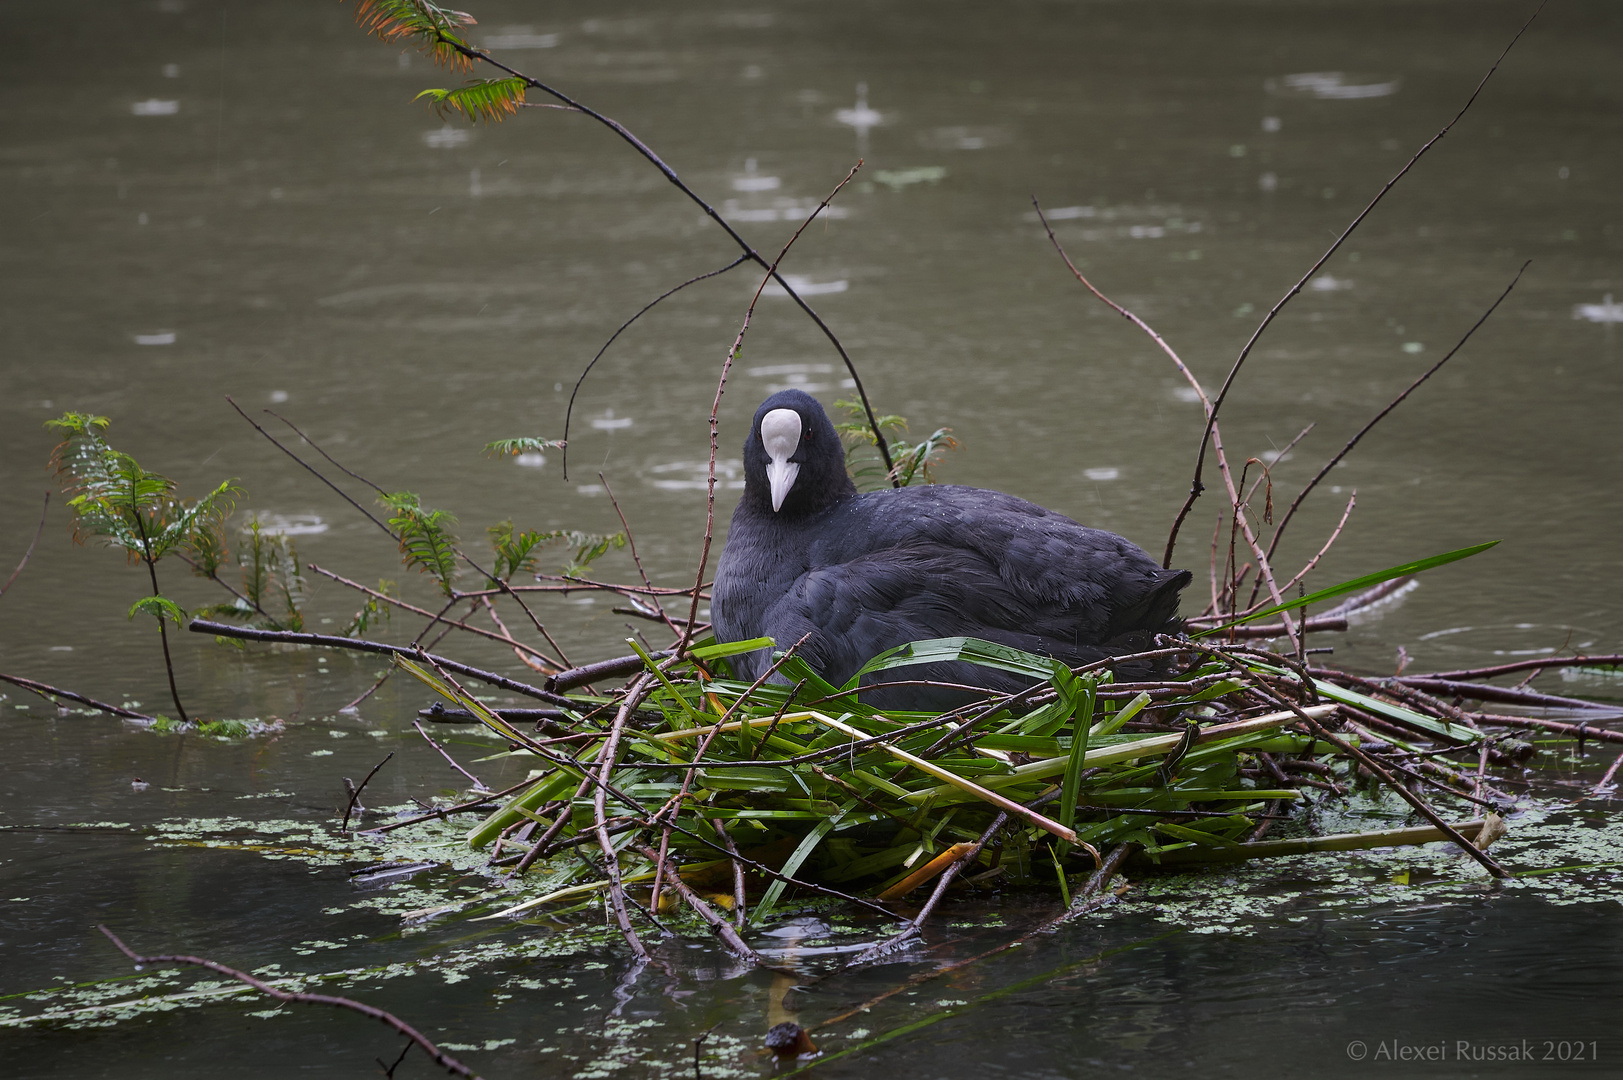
[862,573]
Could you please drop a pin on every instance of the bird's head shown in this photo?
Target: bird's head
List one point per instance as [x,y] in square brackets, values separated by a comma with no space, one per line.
[794,461]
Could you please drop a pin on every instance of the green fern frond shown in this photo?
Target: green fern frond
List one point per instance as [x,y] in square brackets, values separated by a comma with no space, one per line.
[160,608]
[516,552]
[516,447]
[272,579]
[436,30]
[589,547]
[426,540]
[492,100]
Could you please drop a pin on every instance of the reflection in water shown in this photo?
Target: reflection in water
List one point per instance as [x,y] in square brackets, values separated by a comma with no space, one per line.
[446,137]
[609,422]
[963,138]
[752,181]
[162,337]
[782,209]
[805,286]
[897,179]
[155,107]
[520,37]
[1607,311]
[695,475]
[1327,283]
[1332,86]
[1104,473]
[860,117]
[289,524]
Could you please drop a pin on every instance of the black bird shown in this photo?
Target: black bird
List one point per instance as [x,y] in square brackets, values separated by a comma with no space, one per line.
[862,573]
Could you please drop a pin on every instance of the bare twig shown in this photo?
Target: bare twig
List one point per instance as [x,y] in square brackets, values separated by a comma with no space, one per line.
[715,409]
[247,633]
[1212,432]
[29,553]
[611,859]
[438,1056]
[1196,487]
[1607,660]
[312,470]
[478,784]
[569,411]
[460,624]
[740,911]
[355,792]
[718,925]
[632,544]
[47,691]
[1345,450]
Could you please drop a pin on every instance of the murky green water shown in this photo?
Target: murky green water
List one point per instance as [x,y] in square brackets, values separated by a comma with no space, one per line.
[209,198]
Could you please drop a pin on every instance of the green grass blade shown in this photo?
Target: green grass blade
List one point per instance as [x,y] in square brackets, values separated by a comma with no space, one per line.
[1354,585]
[774,891]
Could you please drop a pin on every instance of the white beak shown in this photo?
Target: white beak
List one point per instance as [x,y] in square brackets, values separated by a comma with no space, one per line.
[780,435]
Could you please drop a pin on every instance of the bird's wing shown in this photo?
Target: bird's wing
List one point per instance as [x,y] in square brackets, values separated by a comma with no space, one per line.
[855,609]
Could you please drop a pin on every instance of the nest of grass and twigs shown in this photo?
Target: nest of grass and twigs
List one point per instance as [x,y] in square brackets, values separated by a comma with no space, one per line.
[687,787]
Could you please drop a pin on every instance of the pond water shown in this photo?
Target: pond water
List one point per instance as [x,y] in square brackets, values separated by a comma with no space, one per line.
[207,198]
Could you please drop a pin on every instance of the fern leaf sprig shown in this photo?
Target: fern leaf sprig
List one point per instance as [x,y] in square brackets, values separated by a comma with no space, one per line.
[492,100]
[426,540]
[515,447]
[436,30]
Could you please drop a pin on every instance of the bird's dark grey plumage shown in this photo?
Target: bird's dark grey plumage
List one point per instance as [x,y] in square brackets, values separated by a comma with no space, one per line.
[862,573]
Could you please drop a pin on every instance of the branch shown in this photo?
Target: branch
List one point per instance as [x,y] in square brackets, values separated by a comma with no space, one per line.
[29,553]
[45,690]
[204,626]
[355,792]
[715,408]
[1195,486]
[569,411]
[1345,450]
[438,1056]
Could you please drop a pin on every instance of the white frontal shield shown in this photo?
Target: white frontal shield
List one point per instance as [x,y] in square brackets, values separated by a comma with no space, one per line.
[780,434]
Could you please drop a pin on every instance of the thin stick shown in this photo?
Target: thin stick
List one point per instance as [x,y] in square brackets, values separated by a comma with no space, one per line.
[1212,432]
[355,794]
[670,174]
[333,461]
[1319,731]
[460,624]
[1334,534]
[478,784]
[715,409]
[483,800]
[29,553]
[47,691]
[1196,487]
[569,411]
[246,633]
[611,858]
[739,905]
[632,544]
[312,470]
[719,926]
[381,679]
[1608,660]
[1606,781]
[1555,727]
[438,1056]
[1345,450]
